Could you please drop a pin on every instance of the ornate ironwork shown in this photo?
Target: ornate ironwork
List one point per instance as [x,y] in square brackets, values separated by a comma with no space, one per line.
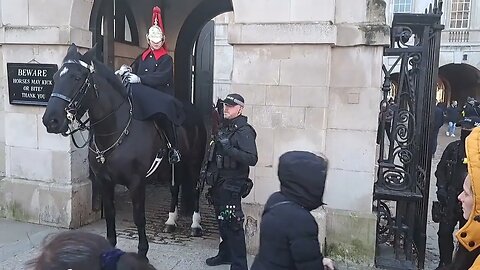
[405,126]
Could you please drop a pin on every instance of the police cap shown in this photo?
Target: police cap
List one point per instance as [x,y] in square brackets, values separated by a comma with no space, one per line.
[234,99]
[469,122]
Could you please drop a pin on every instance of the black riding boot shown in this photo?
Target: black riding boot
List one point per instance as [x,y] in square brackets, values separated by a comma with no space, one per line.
[173,153]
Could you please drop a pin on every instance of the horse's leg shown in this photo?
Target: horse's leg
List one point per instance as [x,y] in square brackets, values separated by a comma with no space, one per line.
[96,192]
[171,223]
[108,203]
[137,194]
[196,218]
[192,175]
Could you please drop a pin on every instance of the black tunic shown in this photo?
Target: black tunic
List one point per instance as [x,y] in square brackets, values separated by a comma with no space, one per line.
[154,96]
[157,74]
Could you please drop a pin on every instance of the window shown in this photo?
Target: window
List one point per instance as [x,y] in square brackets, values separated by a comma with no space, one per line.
[402,6]
[124,26]
[460,15]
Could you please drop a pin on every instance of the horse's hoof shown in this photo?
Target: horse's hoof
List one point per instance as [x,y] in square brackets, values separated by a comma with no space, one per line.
[169,228]
[196,232]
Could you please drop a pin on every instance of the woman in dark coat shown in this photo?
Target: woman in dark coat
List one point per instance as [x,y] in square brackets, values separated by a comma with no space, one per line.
[288,232]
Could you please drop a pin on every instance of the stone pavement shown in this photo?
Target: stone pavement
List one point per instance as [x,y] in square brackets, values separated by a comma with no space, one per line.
[19,242]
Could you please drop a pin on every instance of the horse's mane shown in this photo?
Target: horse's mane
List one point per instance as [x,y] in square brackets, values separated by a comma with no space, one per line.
[107,73]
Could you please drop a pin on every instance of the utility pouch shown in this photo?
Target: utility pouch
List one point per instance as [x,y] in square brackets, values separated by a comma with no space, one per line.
[247,187]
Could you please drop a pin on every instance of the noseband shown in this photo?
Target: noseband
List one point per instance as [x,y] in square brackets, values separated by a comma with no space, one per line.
[75,103]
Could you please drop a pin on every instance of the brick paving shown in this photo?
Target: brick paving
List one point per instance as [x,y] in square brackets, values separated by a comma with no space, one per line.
[156,212]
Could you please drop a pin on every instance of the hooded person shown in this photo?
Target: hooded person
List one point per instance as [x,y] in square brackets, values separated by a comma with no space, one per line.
[467,256]
[153,70]
[288,232]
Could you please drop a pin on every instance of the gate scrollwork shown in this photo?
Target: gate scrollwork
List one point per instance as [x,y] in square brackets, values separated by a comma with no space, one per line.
[401,188]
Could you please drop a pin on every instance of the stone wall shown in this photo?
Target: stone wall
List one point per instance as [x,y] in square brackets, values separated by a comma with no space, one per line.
[310,74]
[311,78]
[45,176]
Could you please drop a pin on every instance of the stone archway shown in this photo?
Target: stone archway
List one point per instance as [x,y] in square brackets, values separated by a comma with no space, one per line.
[187,37]
[463,80]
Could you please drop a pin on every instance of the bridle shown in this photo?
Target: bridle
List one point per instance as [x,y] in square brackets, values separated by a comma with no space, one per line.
[74,104]
[75,112]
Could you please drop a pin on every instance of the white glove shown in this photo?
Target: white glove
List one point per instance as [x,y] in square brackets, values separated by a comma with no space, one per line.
[132,78]
[328,264]
[123,69]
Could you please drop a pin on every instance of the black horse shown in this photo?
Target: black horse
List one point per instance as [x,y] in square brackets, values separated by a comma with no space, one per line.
[122,149]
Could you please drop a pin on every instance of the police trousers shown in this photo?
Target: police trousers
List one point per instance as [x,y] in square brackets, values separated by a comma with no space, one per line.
[445,233]
[228,210]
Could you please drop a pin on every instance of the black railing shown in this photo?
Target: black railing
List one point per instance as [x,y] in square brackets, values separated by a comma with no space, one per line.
[405,136]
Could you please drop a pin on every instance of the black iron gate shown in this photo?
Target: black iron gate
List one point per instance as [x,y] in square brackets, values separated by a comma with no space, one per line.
[405,139]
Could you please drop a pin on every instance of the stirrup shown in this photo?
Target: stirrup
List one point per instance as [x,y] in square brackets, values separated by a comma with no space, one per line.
[173,156]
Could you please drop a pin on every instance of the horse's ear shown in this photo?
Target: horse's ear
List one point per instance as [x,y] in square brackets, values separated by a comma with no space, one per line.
[72,49]
[91,54]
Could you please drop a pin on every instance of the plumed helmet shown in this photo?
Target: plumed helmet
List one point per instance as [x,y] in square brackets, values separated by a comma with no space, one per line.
[156,32]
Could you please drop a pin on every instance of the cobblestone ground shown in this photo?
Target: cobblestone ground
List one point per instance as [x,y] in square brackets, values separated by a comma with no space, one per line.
[157,207]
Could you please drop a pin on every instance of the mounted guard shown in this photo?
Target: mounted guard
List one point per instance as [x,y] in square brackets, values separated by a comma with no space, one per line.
[151,80]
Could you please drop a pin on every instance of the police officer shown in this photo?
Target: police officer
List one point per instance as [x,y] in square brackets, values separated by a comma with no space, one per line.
[235,151]
[450,174]
[471,107]
[154,68]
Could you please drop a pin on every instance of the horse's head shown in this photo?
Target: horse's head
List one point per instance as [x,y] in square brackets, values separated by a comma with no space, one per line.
[73,88]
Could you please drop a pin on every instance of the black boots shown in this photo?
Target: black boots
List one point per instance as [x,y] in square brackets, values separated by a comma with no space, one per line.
[217,260]
[173,153]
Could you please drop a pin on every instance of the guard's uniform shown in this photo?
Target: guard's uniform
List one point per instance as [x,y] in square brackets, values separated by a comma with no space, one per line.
[235,151]
[155,71]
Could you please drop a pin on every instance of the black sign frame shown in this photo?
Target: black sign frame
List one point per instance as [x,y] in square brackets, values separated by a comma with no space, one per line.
[30,83]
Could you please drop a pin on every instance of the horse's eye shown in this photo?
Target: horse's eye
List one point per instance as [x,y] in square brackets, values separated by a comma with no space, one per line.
[77,78]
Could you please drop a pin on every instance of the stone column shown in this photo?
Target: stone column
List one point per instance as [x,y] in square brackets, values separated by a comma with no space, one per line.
[222,76]
[311,78]
[45,175]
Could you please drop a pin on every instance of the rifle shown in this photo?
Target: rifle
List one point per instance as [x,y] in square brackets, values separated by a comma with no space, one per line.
[217,119]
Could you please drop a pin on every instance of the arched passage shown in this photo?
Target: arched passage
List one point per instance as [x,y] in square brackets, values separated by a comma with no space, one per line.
[461,80]
[442,94]
[187,37]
